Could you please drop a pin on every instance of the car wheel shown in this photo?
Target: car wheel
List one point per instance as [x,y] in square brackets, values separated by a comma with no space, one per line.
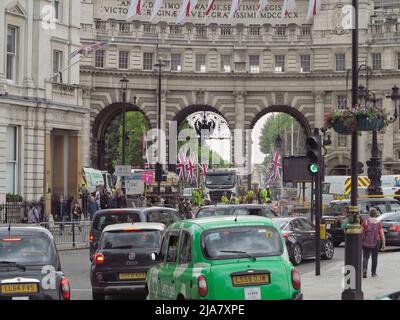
[98,296]
[297,255]
[329,250]
[337,243]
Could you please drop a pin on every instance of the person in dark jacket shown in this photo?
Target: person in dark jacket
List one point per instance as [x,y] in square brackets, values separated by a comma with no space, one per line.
[110,201]
[76,214]
[62,213]
[93,207]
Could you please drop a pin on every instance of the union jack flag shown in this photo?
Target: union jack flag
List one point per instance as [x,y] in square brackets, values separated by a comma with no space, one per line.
[84,51]
[191,168]
[274,171]
[181,166]
[203,169]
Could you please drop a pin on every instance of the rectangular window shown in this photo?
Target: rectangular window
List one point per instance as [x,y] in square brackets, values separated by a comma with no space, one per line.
[100,25]
[342,102]
[148,61]
[226,31]
[340,62]
[200,62]
[57,61]
[201,30]
[12,53]
[176,62]
[305,61]
[99,58]
[254,31]
[342,140]
[226,63]
[12,160]
[186,252]
[124,27]
[280,31]
[279,63]
[123,59]
[376,61]
[172,249]
[175,29]
[254,63]
[56,9]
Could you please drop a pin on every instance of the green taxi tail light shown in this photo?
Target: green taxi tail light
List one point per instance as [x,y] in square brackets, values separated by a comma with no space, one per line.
[313,168]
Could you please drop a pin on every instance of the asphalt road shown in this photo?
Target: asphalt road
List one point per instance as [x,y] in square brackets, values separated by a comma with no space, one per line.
[76,266]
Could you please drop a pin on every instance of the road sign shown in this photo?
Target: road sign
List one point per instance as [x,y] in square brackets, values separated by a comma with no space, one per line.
[123,170]
[134,184]
[295,169]
[147,176]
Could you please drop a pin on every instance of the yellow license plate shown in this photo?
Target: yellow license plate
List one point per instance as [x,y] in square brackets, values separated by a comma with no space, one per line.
[19,288]
[251,279]
[132,276]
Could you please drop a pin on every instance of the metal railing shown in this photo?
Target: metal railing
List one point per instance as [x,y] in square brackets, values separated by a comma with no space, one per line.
[13,212]
[69,234]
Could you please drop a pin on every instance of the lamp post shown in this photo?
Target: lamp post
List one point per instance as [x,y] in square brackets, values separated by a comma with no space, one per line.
[353,246]
[124,86]
[160,64]
[200,126]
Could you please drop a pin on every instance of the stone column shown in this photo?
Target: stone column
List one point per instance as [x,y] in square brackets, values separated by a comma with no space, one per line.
[27,80]
[239,120]
[86,130]
[319,106]
[48,187]
[74,165]
[3,83]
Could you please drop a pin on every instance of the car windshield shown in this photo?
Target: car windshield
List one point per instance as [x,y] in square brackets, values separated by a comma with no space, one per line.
[131,239]
[26,249]
[211,212]
[281,223]
[258,241]
[227,180]
[103,220]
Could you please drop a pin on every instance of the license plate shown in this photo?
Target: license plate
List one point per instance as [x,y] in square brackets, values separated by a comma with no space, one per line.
[251,279]
[252,293]
[19,288]
[132,276]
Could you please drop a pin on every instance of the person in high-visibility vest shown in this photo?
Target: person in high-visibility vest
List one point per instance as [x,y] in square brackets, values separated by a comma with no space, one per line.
[235,200]
[224,198]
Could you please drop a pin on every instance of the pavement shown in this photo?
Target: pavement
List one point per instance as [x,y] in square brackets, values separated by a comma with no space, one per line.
[328,286]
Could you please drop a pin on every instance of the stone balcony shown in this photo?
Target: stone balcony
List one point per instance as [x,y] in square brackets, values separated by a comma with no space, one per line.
[62,93]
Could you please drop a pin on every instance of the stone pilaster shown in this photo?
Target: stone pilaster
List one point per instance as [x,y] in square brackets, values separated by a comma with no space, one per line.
[86,130]
[3,83]
[319,105]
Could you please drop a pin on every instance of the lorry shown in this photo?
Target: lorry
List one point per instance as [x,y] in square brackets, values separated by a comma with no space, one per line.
[92,178]
[218,181]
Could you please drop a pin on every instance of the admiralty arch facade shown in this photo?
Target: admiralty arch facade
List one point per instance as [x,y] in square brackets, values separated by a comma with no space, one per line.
[241,68]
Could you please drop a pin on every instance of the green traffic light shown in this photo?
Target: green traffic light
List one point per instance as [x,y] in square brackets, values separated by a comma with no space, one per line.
[313,168]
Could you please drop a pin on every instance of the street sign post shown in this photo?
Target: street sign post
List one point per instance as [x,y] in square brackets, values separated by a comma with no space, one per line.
[122,170]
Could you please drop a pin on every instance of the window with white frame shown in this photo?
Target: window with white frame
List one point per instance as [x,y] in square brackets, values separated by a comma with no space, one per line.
[123,59]
[340,62]
[226,31]
[376,61]
[99,58]
[254,61]
[57,62]
[279,63]
[176,62]
[57,9]
[12,176]
[148,61]
[342,102]
[124,27]
[226,63]
[254,31]
[175,29]
[280,31]
[305,63]
[200,62]
[12,33]
[342,140]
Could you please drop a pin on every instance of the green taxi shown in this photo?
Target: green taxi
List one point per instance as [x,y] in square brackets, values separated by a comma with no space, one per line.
[223,258]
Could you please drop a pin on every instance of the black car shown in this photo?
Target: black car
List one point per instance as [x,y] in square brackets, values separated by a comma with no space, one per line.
[30,268]
[299,233]
[391,228]
[103,218]
[239,209]
[333,214]
[125,254]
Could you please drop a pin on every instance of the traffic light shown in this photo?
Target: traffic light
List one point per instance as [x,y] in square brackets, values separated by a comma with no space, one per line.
[360,167]
[159,172]
[313,145]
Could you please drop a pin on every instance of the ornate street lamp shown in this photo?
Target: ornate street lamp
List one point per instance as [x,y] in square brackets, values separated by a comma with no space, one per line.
[124,87]
[278,141]
[204,124]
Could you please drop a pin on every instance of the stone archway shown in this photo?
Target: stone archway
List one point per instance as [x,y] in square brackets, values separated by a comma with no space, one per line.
[285,109]
[99,128]
[185,112]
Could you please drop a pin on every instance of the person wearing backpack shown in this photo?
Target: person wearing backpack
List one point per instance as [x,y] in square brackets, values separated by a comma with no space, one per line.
[372,238]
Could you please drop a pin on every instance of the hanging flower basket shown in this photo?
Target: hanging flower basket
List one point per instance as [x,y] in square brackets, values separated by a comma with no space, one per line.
[340,127]
[368,124]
